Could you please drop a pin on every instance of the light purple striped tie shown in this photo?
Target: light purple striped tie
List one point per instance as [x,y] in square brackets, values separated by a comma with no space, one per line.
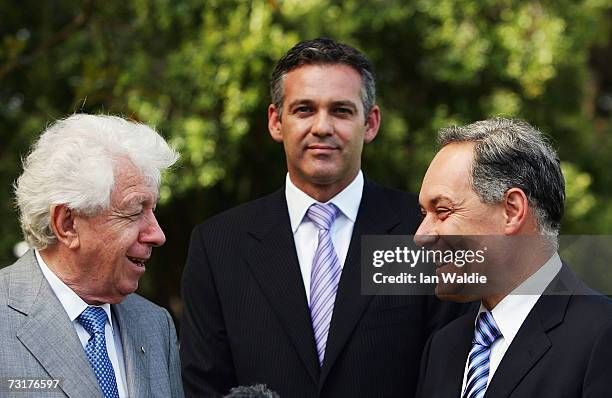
[324,276]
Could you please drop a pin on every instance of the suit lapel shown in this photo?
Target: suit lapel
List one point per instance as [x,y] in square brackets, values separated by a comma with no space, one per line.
[47,332]
[134,349]
[273,262]
[529,345]
[456,352]
[375,216]
[532,342]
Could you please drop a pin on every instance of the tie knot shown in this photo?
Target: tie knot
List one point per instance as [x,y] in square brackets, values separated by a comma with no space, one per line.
[93,319]
[486,330]
[323,215]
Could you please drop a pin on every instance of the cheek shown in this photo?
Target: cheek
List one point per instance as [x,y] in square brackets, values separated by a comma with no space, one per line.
[490,222]
[477,220]
[292,145]
[457,221]
[122,241]
[350,132]
[295,130]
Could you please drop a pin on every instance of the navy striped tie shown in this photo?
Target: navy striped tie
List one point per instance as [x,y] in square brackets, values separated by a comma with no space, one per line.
[478,368]
[324,276]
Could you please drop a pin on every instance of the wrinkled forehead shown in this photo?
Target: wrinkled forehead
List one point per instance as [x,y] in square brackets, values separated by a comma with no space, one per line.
[132,185]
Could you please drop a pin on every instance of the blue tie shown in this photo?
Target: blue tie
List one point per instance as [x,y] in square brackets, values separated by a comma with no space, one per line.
[93,320]
[478,368]
[324,276]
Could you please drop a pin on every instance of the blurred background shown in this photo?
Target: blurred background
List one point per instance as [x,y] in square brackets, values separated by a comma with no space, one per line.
[198,71]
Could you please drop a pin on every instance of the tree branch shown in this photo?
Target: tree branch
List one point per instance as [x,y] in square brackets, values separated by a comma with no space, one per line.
[63,34]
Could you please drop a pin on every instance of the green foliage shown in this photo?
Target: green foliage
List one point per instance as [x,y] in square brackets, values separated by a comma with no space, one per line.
[199,70]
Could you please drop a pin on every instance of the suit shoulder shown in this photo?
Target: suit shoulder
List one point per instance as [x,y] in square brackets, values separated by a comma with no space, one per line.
[596,308]
[6,273]
[405,204]
[4,281]
[241,214]
[396,196]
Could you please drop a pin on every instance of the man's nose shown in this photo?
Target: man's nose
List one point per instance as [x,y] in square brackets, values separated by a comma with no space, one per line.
[426,235]
[152,233]
[323,124]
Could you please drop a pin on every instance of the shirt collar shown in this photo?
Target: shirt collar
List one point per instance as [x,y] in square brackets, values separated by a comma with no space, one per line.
[510,313]
[72,303]
[347,200]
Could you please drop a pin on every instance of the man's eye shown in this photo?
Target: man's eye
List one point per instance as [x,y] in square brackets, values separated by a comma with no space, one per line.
[344,111]
[134,215]
[303,109]
[443,213]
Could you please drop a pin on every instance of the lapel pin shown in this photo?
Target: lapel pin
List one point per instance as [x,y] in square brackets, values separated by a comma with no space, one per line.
[142,349]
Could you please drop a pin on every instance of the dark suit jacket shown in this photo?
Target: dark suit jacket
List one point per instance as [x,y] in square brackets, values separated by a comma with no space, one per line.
[563,349]
[246,319]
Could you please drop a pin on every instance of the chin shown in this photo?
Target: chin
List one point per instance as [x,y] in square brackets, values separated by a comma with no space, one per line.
[115,299]
[450,293]
[328,176]
[127,290]
[456,293]
[456,298]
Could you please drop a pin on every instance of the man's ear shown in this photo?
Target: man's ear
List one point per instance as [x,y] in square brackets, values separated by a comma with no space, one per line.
[372,124]
[63,224]
[516,210]
[274,123]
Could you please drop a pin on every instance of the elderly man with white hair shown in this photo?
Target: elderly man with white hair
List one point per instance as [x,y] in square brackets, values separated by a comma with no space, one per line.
[70,323]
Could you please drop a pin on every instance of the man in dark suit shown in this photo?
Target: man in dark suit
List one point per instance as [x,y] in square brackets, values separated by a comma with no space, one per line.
[271,289]
[539,332]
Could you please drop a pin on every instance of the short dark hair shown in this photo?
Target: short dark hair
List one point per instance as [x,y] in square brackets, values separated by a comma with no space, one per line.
[510,153]
[324,51]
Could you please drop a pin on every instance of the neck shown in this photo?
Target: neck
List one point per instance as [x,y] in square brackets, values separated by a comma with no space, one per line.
[58,263]
[521,268]
[322,192]
[63,267]
[491,301]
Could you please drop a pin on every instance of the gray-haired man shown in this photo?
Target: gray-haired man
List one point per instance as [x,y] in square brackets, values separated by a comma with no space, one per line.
[70,324]
[539,332]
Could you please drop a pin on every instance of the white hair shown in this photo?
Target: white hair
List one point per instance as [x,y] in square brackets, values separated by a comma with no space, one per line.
[72,163]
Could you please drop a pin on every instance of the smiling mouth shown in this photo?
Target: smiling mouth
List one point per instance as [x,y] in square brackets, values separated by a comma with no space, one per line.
[140,262]
[439,267]
[321,147]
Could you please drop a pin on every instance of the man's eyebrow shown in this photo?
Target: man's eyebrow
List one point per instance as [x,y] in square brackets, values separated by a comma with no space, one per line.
[439,198]
[137,200]
[347,103]
[301,101]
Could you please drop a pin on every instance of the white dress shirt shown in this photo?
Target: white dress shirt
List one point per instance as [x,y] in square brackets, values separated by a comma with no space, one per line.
[305,233]
[511,312]
[74,306]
